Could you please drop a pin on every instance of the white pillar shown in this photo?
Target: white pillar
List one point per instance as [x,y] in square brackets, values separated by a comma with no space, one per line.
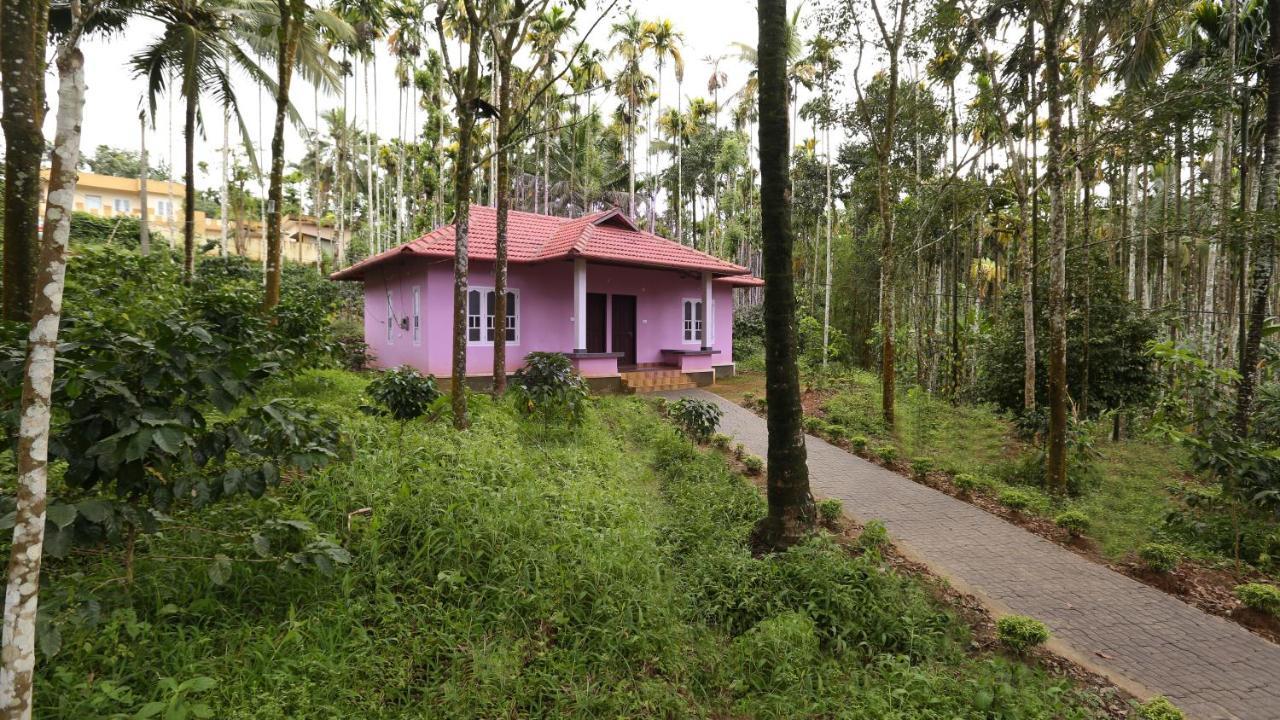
[708,317]
[580,304]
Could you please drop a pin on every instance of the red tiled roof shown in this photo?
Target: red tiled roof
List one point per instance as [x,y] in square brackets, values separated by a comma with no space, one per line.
[607,236]
[741,281]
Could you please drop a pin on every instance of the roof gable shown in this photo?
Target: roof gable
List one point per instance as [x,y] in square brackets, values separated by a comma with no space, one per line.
[608,236]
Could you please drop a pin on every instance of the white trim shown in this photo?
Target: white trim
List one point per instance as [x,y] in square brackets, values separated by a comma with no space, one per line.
[696,322]
[415,319]
[391,317]
[486,321]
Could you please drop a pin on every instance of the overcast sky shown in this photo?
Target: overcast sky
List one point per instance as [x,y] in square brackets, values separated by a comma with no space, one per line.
[115,96]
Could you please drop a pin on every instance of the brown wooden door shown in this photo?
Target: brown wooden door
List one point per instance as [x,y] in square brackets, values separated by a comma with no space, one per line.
[624,328]
[597,317]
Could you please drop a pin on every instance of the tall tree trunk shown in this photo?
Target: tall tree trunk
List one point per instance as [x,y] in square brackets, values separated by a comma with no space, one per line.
[189,195]
[791,511]
[17,668]
[144,219]
[503,211]
[1056,471]
[22,25]
[1265,240]
[291,19]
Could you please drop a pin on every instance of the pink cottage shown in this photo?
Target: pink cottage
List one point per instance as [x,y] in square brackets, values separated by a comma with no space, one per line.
[631,309]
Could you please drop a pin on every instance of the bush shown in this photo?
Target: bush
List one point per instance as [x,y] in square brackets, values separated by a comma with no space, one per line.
[777,652]
[1021,633]
[739,451]
[874,536]
[352,352]
[1159,708]
[1075,522]
[965,483]
[1015,499]
[721,441]
[859,444]
[753,464]
[921,467]
[830,510]
[1160,557]
[403,393]
[887,453]
[549,387]
[815,426]
[697,418]
[1260,596]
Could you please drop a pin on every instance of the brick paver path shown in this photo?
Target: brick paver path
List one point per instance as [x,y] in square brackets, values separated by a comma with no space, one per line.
[1210,667]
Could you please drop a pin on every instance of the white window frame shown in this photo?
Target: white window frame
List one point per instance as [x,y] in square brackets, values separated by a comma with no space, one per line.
[484,322]
[696,322]
[391,318]
[417,315]
[164,208]
[710,319]
[121,205]
[91,200]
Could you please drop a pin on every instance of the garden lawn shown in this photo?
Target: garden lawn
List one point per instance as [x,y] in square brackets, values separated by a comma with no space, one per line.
[514,571]
[1126,507]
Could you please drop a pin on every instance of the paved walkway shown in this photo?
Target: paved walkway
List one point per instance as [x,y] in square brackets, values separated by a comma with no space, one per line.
[1210,667]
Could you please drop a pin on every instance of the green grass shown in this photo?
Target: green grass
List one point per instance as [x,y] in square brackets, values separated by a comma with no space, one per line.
[508,571]
[1125,510]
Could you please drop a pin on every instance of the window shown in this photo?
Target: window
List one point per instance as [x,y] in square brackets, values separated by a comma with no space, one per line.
[391,316]
[93,202]
[692,321]
[417,315]
[121,205]
[481,304]
[164,209]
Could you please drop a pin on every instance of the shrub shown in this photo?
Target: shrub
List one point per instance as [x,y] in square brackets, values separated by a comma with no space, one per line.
[403,393]
[874,536]
[721,441]
[830,510]
[749,400]
[887,453]
[1075,522]
[1021,633]
[777,652]
[753,464]
[549,387]
[697,418]
[921,467]
[352,352]
[859,444]
[815,425]
[1160,557]
[739,451]
[1260,596]
[965,483]
[1159,708]
[1015,499]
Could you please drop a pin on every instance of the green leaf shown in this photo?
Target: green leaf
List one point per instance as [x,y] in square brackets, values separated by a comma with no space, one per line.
[95,511]
[220,570]
[138,445]
[61,515]
[168,439]
[201,710]
[198,684]
[48,638]
[57,542]
[150,710]
[261,545]
[9,520]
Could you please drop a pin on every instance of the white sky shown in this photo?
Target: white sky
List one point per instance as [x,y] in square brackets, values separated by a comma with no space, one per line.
[114,95]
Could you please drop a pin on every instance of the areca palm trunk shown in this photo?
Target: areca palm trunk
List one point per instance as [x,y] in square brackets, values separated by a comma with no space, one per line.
[1266,240]
[503,186]
[189,193]
[144,220]
[1056,470]
[791,512]
[287,41]
[22,25]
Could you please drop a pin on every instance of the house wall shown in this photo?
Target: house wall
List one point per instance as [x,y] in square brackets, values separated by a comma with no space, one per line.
[546,318]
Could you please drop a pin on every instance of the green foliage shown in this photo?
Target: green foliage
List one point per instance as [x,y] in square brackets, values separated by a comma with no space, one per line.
[404,393]
[921,467]
[753,464]
[1075,522]
[1015,499]
[181,703]
[548,387]
[697,418]
[1260,596]
[830,510]
[809,337]
[1159,708]
[1021,633]
[780,651]
[122,230]
[1160,557]
[720,441]
[859,444]
[874,536]
[966,483]
[748,332]
[887,453]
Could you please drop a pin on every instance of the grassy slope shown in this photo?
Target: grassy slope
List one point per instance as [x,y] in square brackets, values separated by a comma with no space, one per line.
[505,572]
[1124,509]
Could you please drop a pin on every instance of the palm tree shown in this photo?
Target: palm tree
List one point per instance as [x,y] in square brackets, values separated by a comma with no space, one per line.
[586,76]
[544,36]
[632,87]
[196,46]
[791,512]
[661,39]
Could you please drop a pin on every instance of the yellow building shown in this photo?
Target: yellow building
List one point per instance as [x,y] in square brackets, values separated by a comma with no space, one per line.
[303,239]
